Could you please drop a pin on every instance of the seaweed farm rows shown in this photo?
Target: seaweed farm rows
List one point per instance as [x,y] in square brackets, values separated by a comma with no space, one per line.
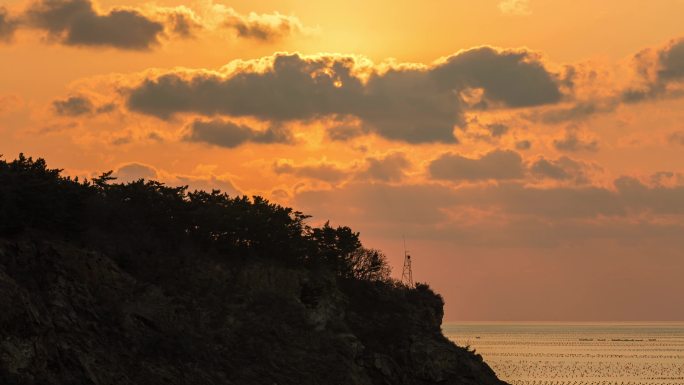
[577,354]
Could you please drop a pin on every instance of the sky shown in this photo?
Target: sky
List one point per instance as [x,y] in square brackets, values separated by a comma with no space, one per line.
[530,152]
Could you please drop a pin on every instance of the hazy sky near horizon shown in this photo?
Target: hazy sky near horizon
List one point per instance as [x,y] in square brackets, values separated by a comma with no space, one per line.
[532,152]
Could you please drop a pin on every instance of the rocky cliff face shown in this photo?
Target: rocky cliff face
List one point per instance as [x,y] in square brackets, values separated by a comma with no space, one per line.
[71,315]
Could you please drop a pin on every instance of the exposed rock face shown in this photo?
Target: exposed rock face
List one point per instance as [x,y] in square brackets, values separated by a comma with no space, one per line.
[69,315]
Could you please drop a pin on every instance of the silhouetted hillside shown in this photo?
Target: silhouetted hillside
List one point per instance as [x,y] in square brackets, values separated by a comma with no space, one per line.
[140,283]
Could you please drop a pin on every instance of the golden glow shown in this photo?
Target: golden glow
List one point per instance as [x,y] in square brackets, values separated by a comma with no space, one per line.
[594,40]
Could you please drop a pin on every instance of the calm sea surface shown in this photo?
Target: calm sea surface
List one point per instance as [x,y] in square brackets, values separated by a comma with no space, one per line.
[578,354]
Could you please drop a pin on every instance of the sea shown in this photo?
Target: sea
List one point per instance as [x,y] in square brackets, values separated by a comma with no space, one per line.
[538,353]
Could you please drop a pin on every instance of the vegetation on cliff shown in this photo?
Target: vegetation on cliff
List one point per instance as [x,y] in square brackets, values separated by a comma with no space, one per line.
[141,283]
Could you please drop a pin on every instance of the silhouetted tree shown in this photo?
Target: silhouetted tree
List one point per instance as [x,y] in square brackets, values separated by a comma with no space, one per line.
[146,223]
[367,264]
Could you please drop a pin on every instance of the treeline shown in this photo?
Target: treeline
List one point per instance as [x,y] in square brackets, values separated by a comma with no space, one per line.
[139,221]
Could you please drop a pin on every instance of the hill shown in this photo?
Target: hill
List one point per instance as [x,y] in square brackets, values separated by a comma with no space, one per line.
[141,283]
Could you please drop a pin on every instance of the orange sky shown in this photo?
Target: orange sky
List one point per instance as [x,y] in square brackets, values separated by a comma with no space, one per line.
[530,151]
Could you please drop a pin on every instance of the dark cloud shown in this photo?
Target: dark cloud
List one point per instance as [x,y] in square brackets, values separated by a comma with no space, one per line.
[497,165]
[287,91]
[660,73]
[572,142]
[497,130]
[346,132]
[411,104]
[79,105]
[671,60]
[224,133]
[265,27]
[523,145]
[561,169]
[398,105]
[106,108]
[639,95]
[182,24]
[325,172]
[388,169]
[407,105]
[80,23]
[135,171]
[122,140]
[662,200]
[579,111]
[663,178]
[76,22]
[515,78]
[73,106]
[658,69]
[549,169]
[7,25]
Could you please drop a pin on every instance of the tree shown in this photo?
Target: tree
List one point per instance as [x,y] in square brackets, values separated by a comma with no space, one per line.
[333,246]
[368,265]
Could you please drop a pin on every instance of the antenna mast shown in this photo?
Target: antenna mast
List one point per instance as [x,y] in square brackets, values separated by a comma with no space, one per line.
[406,273]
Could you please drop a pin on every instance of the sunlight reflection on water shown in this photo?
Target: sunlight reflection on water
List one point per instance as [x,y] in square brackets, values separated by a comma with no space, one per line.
[577,354]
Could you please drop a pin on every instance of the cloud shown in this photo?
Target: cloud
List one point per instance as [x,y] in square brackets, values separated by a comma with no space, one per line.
[663,200]
[346,132]
[324,171]
[130,172]
[122,140]
[561,169]
[106,108]
[77,23]
[264,27]
[73,106]
[676,137]
[389,168]
[658,70]
[80,23]
[573,142]
[79,105]
[293,88]
[515,7]
[228,134]
[671,60]
[549,169]
[658,73]
[379,202]
[516,78]
[134,171]
[504,214]
[181,21]
[578,111]
[497,130]
[496,165]
[523,145]
[411,103]
[7,25]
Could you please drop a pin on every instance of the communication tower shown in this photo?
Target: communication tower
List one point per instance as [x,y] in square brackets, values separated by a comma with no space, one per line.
[407,273]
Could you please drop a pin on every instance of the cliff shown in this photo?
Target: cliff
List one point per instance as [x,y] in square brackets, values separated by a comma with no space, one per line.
[106,301]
